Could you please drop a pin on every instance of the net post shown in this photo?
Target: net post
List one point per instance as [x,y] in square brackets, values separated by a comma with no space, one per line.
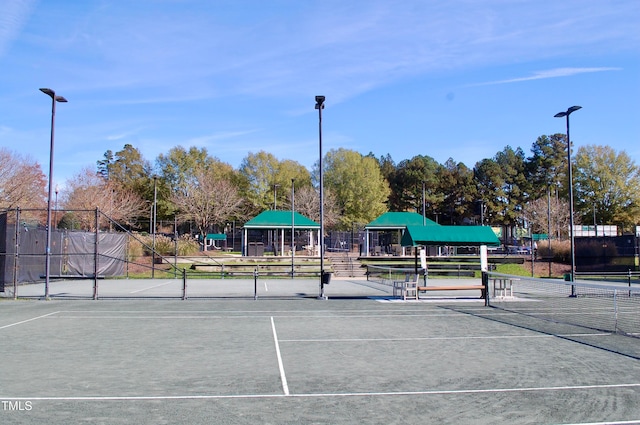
[255,283]
[485,283]
[184,284]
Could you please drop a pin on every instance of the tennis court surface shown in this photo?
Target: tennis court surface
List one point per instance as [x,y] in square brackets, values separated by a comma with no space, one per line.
[300,360]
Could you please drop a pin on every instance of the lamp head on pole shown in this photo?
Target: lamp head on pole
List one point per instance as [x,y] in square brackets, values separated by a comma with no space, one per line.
[52,93]
[568,112]
[320,102]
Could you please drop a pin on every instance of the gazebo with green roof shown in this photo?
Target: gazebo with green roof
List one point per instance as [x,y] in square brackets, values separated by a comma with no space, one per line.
[415,230]
[450,236]
[395,221]
[282,221]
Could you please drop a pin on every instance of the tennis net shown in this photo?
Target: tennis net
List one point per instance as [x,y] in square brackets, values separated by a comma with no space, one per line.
[607,308]
[387,275]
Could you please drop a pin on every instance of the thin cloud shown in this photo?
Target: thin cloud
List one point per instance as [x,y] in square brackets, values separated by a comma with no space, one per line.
[124,135]
[203,140]
[13,17]
[551,73]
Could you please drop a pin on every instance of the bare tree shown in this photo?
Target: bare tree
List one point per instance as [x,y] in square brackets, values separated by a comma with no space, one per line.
[537,213]
[88,191]
[22,183]
[307,203]
[208,199]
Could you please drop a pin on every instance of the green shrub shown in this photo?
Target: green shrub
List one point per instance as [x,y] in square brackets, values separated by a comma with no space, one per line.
[166,246]
[134,250]
[187,245]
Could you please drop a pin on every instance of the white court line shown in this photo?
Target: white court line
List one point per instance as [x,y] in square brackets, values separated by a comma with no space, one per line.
[268,312]
[444,338]
[283,377]
[151,287]
[28,320]
[328,395]
[216,315]
[266,288]
[636,421]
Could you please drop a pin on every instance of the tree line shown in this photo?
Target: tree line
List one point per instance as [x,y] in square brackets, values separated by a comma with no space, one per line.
[191,186]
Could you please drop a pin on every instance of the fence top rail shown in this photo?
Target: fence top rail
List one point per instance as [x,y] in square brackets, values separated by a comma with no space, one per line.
[615,274]
[493,275]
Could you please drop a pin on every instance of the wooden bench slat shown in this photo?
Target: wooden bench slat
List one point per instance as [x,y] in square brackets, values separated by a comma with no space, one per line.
[450,288]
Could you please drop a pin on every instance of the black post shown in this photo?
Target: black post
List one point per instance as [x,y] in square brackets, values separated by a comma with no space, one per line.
[320,106]
[184,284]
[485,283]
[293,228]
[47,264]
[16,256]
[95,258]
[175,246]
[570,178]
[255,284]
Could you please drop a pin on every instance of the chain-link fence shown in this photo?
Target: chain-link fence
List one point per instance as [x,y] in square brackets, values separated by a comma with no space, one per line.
[31,253]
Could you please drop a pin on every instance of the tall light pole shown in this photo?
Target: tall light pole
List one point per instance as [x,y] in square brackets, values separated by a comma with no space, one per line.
[549,226]
[320,106]
[570,176]
[293,228]
[424,206]
[47,264]
[275,193]
[153,225]
[55,211]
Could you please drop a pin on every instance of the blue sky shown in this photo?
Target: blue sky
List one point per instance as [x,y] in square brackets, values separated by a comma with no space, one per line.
[457,79]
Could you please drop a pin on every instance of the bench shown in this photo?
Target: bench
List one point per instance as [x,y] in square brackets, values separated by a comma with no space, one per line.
[503,285]
[403,288]
[482,288]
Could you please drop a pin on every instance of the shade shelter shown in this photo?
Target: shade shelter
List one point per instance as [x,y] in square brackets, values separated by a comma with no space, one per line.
[211,240]
[281,222]
[481,236]
[395,221]
[450,236]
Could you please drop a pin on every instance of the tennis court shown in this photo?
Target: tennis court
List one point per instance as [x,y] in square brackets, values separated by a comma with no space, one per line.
[299,360]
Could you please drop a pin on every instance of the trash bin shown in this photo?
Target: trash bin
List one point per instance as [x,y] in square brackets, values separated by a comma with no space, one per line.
[326,278]
[255,249]
[567,277]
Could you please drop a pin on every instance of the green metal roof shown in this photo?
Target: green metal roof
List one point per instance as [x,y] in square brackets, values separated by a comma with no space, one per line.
[217,236]
[450,236]
[398,220]
[280,220]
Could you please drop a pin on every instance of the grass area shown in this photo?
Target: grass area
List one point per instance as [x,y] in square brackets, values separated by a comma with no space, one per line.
[513,269]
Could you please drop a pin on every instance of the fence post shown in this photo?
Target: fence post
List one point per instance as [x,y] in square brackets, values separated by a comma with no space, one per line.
[184,284]
[615,310]
[15,256]
[95,258]
[175,246]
